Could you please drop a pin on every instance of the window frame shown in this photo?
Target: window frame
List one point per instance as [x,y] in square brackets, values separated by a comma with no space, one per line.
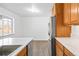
[12,25]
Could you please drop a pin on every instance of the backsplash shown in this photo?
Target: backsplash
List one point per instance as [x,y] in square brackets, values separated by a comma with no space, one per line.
[75,31]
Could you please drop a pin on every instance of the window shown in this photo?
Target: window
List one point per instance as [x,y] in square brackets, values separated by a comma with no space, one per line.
[6,26]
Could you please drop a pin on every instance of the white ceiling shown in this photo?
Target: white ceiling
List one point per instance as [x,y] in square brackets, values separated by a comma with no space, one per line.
[19,9]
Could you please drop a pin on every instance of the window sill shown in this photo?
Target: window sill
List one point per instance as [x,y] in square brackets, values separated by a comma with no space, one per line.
[1,37]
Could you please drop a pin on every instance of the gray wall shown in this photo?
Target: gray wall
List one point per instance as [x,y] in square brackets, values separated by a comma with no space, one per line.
[36,27]
[18,25]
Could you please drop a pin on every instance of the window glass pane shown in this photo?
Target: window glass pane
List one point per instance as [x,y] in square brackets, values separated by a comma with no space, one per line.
[10,27]
[5,27]
[6,19]
[0,27]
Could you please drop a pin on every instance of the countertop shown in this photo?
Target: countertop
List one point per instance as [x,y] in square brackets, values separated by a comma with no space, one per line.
[16,41]
[71,43]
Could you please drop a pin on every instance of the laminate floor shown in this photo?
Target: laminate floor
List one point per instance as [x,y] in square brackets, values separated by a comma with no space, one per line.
[40,48]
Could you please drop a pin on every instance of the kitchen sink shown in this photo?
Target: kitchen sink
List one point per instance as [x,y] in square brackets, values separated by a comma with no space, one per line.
[5,50]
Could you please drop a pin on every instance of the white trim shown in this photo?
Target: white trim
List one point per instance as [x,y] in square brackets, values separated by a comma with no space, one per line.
[12,24]
[41,39]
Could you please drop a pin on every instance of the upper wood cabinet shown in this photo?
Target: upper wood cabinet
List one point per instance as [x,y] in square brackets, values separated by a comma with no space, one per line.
[71,14]
[67,13]
[74,13]
[61,29]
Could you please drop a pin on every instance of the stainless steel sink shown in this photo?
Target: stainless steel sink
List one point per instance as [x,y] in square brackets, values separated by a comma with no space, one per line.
[7,49]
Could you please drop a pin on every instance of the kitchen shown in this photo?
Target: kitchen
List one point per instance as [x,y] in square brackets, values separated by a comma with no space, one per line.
[24,25]
[39,29]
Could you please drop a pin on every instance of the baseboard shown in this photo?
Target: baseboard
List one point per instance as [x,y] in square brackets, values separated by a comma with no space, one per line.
[40,40]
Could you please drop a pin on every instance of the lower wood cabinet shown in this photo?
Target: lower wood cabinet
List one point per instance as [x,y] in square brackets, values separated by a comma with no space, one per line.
[67,52]
[61,50]
[23,52]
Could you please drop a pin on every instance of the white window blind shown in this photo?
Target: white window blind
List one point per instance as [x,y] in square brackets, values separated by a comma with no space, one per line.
[6,26]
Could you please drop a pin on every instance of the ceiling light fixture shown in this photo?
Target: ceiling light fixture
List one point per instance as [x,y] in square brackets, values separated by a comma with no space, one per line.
[33,9]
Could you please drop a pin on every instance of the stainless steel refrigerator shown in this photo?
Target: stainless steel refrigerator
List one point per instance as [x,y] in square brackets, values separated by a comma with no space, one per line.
[51,33]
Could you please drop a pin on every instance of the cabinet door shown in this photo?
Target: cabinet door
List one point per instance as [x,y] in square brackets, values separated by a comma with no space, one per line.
[67,52]
[78,14]
[23,52]
[59,49]
[67,11]
[71,13]
[74,13]
[61,29]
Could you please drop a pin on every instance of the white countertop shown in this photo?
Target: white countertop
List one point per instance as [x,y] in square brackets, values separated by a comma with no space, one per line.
[16,41]
[71,43]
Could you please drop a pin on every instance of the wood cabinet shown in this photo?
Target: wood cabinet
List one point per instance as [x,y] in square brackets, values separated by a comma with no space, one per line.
[71,13]
[66,14]
[23,52]
[67,11]
[61,29]
[74,13]
[67,52]
[61,50]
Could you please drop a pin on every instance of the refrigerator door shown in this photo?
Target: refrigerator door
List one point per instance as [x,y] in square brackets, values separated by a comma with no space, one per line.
[52,41]
[52,26]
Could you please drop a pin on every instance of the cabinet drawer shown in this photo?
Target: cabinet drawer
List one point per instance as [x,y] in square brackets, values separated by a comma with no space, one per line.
[67,52]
